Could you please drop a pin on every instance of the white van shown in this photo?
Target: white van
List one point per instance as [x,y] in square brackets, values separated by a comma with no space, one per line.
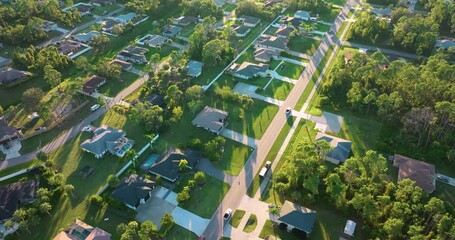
[95,107]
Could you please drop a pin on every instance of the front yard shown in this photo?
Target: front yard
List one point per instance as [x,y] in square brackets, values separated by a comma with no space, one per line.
[303,45]
[290,70]
[113,87]
[278,89]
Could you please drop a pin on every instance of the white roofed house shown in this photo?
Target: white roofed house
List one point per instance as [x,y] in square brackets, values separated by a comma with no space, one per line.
[265,55]
[211,119]
[248,70]
[272,42]
[194,68]
[249,21]
[85,37]
[302,15]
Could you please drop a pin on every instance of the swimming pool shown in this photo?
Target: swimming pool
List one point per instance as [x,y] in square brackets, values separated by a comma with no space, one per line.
[149,161]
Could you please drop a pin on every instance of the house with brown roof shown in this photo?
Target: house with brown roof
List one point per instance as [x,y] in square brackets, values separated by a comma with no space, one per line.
[265,55]
[8,133]
[10,75]
[68,48]
[348,55]
[422,173]
[124,65]
[80,230]
[91,86]
[284,31]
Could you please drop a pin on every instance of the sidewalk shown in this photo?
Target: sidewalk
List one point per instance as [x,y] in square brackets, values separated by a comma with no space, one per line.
[250,90]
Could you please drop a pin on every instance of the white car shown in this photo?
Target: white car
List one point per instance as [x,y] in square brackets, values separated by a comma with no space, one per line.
[227,214]
[95,107]
[288,111]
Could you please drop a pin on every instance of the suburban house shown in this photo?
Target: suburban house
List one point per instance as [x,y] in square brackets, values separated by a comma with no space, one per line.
[194,68]
[109,25]
[124,65]
[107,139]
[133,191]
[91,86]
[15,195]
[85,37]
[80,230]
[284,31]
[304,15]
[293,21]
[136,50]
[384,12]
[272,42]
[296,216]
[265,55]
[4,61]
[171,31]
[10,75]
[249,21]
[100,3]
[271,3]
[124,18]
[155,41]
[133,55]
[341,148]
[211,119]
[68,48]
[241,31]
[422,173]
[185,20]
[349,230]
[167,164]
[84,9]
[155,99]
[444,44]
[8,133]
[248,70]
[49,26]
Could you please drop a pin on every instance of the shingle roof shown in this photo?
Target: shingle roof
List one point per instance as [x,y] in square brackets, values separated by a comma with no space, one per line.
[250,19]
[123,64]
[186,20]
[341,147]
[100,142]
[86,37]
[211,118]
[92,83]
[264,53]
[155,40]
[136,50]
[421,172]
[132,189]
[5,129]
[155,99]
[79,230]
[284,30]
[241,29]
[250,69]
[167,164]
[273,41]
[194,68]
[14,195]
[8,74]
[297,216]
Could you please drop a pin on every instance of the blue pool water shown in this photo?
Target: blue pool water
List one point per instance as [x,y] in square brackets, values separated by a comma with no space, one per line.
[150,160]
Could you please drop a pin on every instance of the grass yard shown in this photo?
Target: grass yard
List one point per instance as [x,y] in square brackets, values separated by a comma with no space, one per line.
[237,217]
[271,229]
[343,26]
[208,74]
[19,167]
[70,159]
[229,7]
[290,70]
[303,45]
[205,200]
[322,27]
[251,224]
[274,63]
[254,186]
[164,51]
[84,19]
[12,95]
[231,81]
[278,89]
[337,2]
[271,30]
[187,30]
[254,32]
[234,157]
[180,233]
[287,55]
[104,9]
[113,87]
[247,56]
[330,16]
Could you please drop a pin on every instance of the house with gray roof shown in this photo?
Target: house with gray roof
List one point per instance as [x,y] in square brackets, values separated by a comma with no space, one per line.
[106,139]
[167,164]
[249,21]
[85,37]
[124,65]
[185,20]
[10,75]
[272,42]
[109,24]
[386,12]
[284,31]
[341,148]
[133,54]
[241,31]
[248,70]
[194,68]
[155,41]
[4,61]
[297,217]
[304,15]
[133,191]
[16,195]
[444,44]
[293,21]
[171,31]
[124,18]
[211,119]
[265,55]
[8,133]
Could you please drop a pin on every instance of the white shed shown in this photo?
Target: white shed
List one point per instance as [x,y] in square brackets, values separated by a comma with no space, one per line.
[349,229]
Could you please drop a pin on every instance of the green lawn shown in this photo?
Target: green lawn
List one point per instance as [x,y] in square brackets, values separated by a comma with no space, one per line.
[12,95]
[271,31]
[254,32]
[251,224]
[84,19]
[208,74]
[337,2]
[329,16]
[290,70]
[205,200]
[187,30]
[274,63]
[229,7]
[254,186]
[107,8]
[231,81]
[322,27]
[287,55]
[19,167]
[303,45]
[278,89]
[180,233]
[164,51]
[113,87]
[271,229]
[237,217]
[247,56]
[234,157]
[343,26]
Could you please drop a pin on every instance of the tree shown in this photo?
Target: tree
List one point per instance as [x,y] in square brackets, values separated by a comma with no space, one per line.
[213,147]
[336,188]
[416,34]
[82,63]
[133,230]
[153,62]
[274,212]
[100,42]
[110,71]
[42,156]
[194,92]
[393,228]
[113,180]
[177,113]
[184,195]
[200,178]
[45,208]
[167,222]
[150,115]
[1,111]
[217,52]
[52,76]
[117,29]
[31,99]
[173,96]
[183,165]
[143,6]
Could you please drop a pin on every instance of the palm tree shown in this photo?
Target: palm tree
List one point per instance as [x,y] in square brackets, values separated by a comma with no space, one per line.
[45,208]
[183,165]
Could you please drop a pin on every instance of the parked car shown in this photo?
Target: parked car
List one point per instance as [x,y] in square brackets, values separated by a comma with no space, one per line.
[288,111]
[443,179]
[95,107]
[268,164]
[227,214]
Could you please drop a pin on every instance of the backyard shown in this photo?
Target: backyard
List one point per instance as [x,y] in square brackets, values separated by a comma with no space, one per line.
[303,45]
[103,10]
[113,87]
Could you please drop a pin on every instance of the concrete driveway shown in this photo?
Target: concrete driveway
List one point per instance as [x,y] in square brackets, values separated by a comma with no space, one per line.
[153,210]
[332,121]
[190,220]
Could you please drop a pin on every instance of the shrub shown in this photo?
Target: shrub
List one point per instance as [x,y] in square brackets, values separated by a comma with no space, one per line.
[200,178]
[184,195]
[283,226]
[96,200]
[42,156]
[113,180]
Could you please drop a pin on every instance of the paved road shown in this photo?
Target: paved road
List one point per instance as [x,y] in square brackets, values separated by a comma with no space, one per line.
[232,199]
[383,50]
[83,26]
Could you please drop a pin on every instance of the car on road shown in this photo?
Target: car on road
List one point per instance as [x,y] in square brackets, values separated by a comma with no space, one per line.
[443,179]
[95,107]
[288,111]
[268,164]
[227,214]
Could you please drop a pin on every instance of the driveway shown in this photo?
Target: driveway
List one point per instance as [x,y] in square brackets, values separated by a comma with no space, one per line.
[239,137]
[190,220]
[207,167]
[154,209]
[332,121]
[250,90]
